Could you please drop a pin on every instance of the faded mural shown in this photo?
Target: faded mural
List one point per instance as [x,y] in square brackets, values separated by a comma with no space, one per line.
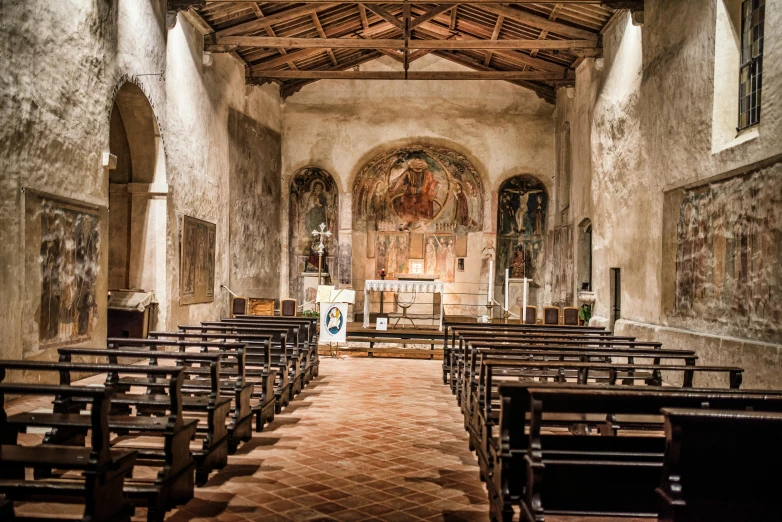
[729,256]
[69,263]
[254,159]
[197,257]
[314,199]
[521,229]
[563,269]
[418,199]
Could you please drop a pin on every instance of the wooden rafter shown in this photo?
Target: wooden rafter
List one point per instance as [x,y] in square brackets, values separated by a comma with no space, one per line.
[271,33]
[319,27]
[494,35]
[385,15]
[334,74]
[429,15]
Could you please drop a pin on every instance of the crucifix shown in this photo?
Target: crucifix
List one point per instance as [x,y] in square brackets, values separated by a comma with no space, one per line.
[320,248]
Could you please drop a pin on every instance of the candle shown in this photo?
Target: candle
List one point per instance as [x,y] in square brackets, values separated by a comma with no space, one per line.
[491,285]
[507,276]
[524,303]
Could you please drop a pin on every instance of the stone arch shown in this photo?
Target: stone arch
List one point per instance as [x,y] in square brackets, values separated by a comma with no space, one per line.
[313,199]
[138,195]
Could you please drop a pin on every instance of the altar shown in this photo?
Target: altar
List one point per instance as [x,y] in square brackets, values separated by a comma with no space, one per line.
[419,286]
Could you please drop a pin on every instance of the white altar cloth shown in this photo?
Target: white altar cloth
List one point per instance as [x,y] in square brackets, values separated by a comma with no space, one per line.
[422,287]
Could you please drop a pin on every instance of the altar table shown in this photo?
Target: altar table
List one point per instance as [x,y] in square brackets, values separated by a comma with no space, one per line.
[422,287]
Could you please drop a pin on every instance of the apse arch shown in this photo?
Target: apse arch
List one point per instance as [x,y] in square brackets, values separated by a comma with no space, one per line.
[313,199]
[138,193]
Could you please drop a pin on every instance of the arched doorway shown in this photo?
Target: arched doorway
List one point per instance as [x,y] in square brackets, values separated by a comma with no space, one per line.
[314,200]
[137,199]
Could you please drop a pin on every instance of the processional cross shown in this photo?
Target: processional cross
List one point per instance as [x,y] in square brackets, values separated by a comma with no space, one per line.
[320,248]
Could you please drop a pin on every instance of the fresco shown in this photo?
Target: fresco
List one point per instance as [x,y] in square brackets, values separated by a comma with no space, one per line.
[197,261]
[345,264]
[69,264]
[392,254]
[729,254]
[254,188]
[417,189]
[521,229]
[440,256]
[563,269]
[314,199]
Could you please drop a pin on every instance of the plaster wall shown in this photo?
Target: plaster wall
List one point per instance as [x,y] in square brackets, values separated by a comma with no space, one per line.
[641,130]
[502,129]
[63,63]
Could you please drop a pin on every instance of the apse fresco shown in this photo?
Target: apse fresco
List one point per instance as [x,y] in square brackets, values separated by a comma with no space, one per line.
[440,256]
[729,255]
[418,189]
[69,264]
[314,199]
[521,229]
[392,253]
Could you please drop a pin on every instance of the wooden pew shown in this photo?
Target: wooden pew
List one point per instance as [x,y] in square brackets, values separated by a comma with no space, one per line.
[311,328]
[482,419]
[448,326]
[268,365]
[721,466]
[174,483]
[284,337]
[298,344]
[99,484]
[550,471]
[204,400]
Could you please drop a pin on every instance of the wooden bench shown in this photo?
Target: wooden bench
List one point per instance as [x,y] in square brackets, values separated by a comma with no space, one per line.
[297,344]
[93,476]
[721,465]
[268,365]
[310,325]
[372,340]
[557,472]
[174,483]
[204,400]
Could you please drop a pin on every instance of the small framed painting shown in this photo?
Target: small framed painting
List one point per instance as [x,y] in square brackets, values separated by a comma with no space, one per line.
[382,323]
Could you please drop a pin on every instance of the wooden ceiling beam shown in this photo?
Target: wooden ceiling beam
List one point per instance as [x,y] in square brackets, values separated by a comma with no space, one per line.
[316,21]
[430,14]
[276,18]
[385,15]
[282,60]
[362,11]
[225,44]
[334,74]
[494,35]
[613,4]
[538,22]
[271,33]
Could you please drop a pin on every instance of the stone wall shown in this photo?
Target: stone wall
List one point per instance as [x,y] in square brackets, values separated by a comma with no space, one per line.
[500,129]
[641,123]
[64,63]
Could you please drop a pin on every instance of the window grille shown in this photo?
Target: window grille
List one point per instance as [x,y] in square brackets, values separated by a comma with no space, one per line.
[751,72]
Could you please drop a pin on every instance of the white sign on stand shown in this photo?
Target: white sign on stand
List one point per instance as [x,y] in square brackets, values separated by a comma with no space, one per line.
[333,322]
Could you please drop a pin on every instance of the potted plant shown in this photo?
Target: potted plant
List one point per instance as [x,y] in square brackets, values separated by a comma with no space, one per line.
[584,314]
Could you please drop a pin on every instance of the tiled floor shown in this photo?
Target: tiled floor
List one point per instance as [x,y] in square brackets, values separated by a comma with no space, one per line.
[370,439]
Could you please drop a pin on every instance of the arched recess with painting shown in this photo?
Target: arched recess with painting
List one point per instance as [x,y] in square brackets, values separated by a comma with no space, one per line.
[522,213]
[138,197]
[314,200]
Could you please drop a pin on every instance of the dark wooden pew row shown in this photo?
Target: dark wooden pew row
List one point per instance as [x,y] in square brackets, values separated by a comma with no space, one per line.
[203,400]
[471,345]
[311,327]
[554,472]
[269,366]
[460,338]
[495,370]
[448,326]
[92,476]
[298,342]
[721,466]
[174,483]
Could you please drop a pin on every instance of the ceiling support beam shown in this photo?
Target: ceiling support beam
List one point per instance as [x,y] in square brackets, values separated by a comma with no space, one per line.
[430,14]
[282,60]
[615,4]
[539,22]
[276,18]
[406,33]
[454,13]
[412,75]
[385,15]
[319,27]
[271,33]
[494,35]
[226,43]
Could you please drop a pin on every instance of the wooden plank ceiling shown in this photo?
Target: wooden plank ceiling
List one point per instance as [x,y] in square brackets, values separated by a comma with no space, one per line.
[535,45]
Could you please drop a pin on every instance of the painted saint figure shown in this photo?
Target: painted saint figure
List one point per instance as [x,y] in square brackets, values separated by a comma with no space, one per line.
[417,201]
[392,264]
[316,207]
[450,261]
[430,259]
[518,263]
[461,206]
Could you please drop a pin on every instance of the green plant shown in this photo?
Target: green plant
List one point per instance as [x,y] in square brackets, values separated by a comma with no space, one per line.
[311,313]
[585,312]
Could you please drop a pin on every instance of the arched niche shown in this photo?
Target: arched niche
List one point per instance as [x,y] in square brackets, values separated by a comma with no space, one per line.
[521,232]
[314,199]
[416,204]
[584,262]
[137,196]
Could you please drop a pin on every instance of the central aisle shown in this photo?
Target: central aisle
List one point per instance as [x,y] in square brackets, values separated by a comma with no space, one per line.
[370,439]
